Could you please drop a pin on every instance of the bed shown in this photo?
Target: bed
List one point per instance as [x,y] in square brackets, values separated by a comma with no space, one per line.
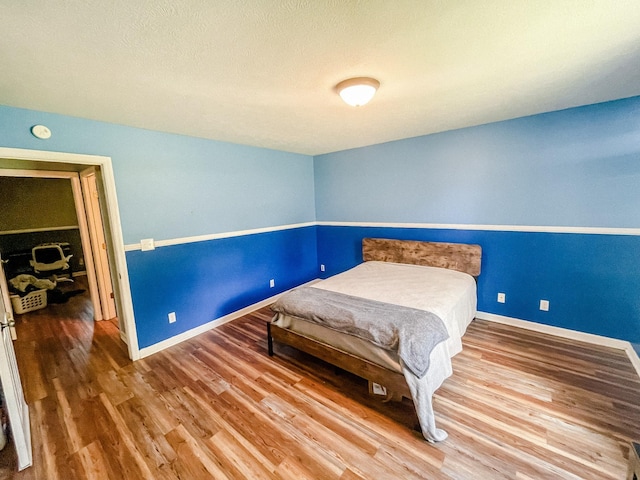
[402,278]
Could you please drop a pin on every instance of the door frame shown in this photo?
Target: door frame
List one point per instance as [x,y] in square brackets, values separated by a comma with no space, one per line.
[83,228]
[97,238]
[121,273]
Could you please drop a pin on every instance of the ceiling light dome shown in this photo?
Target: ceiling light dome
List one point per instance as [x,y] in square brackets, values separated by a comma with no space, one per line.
[357,91]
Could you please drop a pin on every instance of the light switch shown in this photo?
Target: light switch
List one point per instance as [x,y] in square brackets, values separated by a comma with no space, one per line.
[147,244]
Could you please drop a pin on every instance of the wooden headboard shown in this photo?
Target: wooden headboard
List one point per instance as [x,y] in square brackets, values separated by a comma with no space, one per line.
[454,256]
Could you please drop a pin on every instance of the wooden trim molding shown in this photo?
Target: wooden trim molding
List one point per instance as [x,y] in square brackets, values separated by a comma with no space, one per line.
[492,228]
[38,230]
[217,236]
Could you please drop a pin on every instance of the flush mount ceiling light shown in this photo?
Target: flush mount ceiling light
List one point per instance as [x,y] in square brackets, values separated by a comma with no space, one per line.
[357,91]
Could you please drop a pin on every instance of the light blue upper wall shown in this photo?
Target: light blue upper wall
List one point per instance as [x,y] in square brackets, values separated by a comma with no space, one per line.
[572,168]
[172,186]
[576,167]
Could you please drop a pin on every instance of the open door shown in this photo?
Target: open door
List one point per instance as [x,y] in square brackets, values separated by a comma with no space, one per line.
[17,408]
[91,197]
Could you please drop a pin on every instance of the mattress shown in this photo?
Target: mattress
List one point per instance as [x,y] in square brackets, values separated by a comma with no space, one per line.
[449,294]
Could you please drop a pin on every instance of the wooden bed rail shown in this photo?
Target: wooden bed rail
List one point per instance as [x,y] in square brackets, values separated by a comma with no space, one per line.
[394,382]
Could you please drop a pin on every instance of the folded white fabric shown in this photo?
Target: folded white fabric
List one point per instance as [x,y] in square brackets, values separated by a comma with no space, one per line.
[21,282]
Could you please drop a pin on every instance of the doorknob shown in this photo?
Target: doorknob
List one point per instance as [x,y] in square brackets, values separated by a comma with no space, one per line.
[7,322]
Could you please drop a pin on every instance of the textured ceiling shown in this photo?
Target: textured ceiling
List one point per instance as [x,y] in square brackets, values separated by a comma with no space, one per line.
[262,72]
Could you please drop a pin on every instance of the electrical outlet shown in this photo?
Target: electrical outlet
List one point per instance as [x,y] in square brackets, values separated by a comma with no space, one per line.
[322,267]
[172,317]
[502,298]
[378,389]
[544,305]
[272,283]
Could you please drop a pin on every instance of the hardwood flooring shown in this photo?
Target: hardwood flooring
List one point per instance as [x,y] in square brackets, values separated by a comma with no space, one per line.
[520,405]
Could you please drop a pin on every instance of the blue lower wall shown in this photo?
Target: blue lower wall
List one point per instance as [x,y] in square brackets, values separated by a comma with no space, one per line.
[203,281]
[591,281]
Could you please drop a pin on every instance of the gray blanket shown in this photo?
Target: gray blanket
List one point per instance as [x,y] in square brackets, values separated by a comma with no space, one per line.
[413,333]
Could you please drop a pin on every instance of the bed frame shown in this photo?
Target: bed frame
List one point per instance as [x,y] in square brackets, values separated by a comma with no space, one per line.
[454,256]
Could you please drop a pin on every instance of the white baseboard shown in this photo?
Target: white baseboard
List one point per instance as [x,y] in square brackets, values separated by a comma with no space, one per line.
[169,342]
[635,360]
[566,333]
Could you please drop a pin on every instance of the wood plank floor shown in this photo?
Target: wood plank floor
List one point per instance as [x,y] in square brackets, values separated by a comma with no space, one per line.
[519,405]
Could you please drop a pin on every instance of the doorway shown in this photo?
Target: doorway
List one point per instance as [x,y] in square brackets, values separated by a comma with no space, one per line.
[47,210]
[97,171]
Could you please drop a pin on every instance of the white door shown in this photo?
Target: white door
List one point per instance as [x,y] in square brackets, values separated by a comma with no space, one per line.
[15,405]
[98,242]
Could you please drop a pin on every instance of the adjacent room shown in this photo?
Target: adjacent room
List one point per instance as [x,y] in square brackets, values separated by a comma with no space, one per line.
[194,163]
